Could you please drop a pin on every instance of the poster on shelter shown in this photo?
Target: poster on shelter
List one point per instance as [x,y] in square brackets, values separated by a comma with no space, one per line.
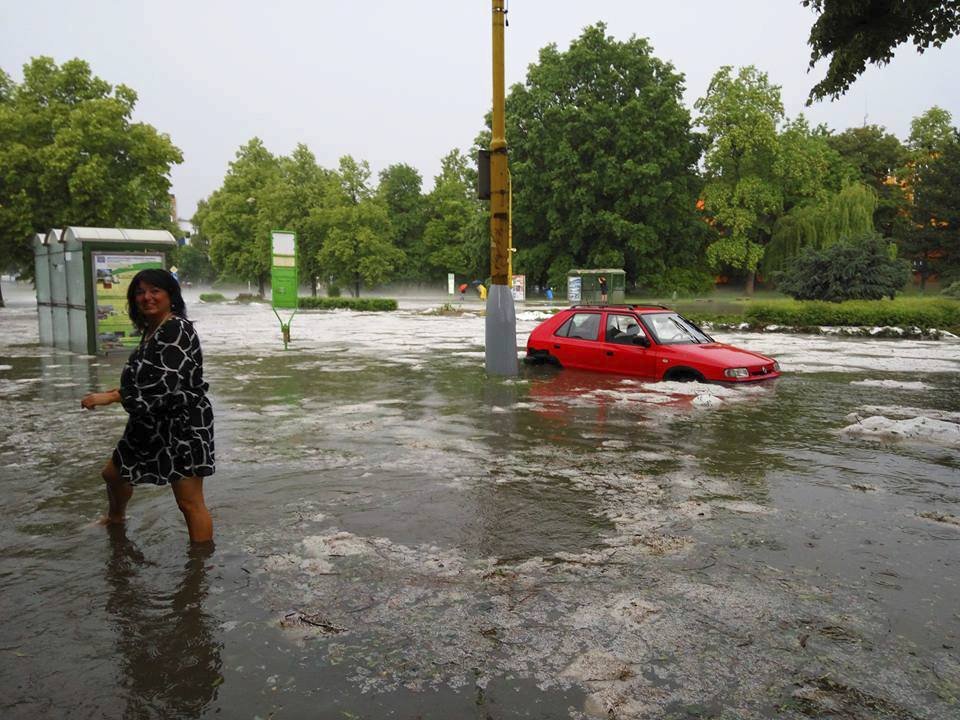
[573,289]
[112,273]
[519,288]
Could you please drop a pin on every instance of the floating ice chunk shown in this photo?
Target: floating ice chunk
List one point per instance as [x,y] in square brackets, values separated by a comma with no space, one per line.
[316,566]
[897,411]
[632,609]
[892,384]
[887,330]
[939,517]
[334,544]
[533,315]
[742,506]
[918,429]
[706,401]
[6,367]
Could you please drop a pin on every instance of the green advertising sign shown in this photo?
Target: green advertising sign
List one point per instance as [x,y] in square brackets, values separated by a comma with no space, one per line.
[283,271]
[112,274]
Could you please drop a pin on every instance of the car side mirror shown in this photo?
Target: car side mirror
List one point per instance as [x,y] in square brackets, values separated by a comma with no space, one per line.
[642,340]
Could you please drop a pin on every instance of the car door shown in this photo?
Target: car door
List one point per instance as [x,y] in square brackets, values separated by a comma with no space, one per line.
[576,343]
[622,352]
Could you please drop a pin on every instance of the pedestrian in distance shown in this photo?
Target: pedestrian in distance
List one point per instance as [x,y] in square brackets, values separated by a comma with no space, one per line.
[603,289]
[169,435]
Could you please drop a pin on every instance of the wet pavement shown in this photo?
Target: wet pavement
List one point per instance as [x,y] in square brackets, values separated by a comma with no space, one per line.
[400,536]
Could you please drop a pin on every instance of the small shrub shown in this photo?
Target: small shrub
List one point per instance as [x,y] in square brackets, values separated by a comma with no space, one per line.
[212,297]
[249,298]
[952,290]
[333,291]
[342,303]
[856,270]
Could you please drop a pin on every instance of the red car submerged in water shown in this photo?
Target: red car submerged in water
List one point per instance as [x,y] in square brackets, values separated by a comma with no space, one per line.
[642,341]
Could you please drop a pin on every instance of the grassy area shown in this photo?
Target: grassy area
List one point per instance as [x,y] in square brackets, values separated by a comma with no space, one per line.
[924,311]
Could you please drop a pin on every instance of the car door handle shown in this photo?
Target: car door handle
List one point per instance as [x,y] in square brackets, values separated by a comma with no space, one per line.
[610,353]
[556,347]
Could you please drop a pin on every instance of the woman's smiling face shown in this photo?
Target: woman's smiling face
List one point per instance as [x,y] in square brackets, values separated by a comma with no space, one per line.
[152,302]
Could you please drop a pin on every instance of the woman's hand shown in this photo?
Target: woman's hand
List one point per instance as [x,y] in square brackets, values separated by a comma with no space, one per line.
[93,400]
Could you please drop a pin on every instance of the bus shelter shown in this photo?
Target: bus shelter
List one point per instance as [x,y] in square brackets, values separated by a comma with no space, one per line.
[583,286]
[90,270]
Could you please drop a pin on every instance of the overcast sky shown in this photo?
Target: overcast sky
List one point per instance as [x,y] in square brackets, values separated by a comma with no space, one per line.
[390,81]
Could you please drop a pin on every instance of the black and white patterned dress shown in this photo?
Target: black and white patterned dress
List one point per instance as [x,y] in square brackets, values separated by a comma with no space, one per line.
[170,431]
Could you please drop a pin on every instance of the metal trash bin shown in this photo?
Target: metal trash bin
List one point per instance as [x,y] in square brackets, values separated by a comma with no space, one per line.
[41,275]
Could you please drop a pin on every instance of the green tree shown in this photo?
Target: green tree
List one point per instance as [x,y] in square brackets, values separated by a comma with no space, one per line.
[239,232]
[880,159]
[357,233]
[744,191]
[851,33]
[821,223]
[193,264]
[456,235]
[861,269]
[70,155]
[400,188]
[930,133]
[603,162]
[299,190]
[933,244]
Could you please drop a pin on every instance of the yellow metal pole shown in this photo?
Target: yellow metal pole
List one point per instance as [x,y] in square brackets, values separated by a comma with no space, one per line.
[499,181]
[509,229]
[501,318]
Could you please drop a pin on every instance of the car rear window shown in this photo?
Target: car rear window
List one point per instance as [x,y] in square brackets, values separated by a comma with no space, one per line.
[584,326]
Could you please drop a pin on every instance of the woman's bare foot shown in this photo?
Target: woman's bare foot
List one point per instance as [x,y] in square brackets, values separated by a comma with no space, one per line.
[111,520]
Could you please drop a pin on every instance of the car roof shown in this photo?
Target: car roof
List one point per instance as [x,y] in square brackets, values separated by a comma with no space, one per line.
[633,308]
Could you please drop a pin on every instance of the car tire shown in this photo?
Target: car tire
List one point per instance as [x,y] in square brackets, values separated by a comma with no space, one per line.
[683,374]
[541,357]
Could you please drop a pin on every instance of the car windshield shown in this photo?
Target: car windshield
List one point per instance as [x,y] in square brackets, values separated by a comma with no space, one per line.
[671,329]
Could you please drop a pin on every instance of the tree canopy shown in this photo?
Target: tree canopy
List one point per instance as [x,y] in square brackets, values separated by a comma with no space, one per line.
[70,155]
[744,191]
[851,33]
[235,217]
[603,162]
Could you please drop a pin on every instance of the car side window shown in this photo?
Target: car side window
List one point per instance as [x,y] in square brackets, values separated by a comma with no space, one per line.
[622,329]
[582,325]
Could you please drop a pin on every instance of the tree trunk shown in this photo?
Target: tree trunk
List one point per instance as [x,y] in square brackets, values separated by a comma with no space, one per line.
[748,286]
[1,296]
[262,284]
[313,286]
[356,284]
[923,285]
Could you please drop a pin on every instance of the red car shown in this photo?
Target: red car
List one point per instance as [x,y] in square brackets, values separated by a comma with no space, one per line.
[643,341]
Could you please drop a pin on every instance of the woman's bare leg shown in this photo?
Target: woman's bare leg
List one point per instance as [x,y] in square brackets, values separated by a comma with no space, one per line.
[119,492]
[189,494]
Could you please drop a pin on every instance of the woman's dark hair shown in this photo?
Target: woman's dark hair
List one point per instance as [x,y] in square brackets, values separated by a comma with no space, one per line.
[158,278]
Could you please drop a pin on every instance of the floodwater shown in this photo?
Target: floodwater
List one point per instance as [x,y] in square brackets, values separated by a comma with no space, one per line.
[398,535]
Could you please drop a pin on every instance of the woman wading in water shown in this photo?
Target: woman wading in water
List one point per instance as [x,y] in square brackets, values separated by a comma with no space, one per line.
[169,435]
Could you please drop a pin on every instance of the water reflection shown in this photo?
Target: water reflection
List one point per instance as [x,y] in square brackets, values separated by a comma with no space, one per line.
[165,642]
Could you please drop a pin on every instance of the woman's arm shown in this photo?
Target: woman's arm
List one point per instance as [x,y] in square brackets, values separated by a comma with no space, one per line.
[94,400]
